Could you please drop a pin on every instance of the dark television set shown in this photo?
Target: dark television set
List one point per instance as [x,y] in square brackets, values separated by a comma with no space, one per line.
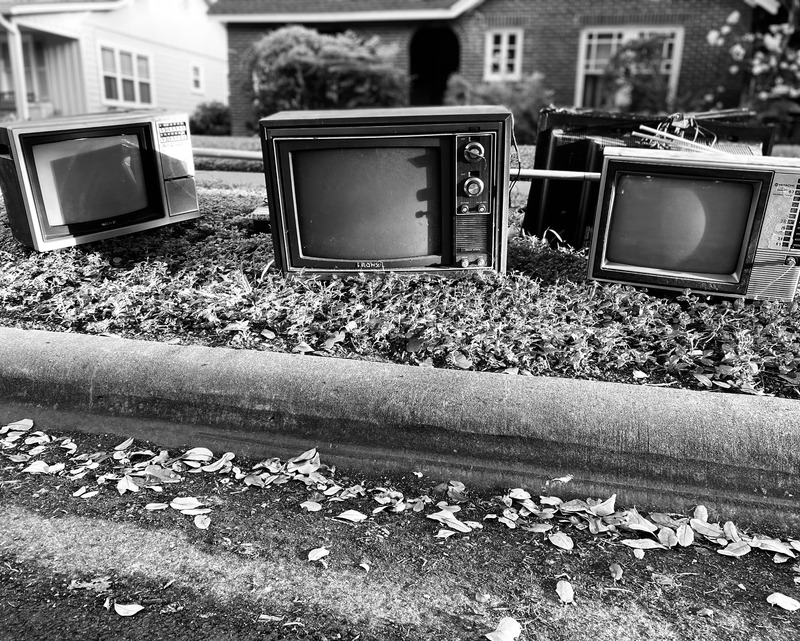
[419,189]
[720,224]
[574,141]
[78,179]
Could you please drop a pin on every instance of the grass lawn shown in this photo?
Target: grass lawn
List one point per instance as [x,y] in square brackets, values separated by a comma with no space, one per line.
[212,282]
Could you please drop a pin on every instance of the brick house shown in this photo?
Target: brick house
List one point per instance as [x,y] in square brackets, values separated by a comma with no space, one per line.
[568,41]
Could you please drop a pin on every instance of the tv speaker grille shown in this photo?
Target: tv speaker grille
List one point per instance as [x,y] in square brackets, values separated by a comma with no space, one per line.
[472,233]
[771,278]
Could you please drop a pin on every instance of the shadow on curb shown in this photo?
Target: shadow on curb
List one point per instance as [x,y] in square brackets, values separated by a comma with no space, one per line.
[738,455]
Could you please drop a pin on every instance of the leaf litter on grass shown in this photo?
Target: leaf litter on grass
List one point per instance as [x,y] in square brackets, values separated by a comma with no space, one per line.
[124,468]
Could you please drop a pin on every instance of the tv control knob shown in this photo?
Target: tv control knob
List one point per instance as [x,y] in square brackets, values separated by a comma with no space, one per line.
[463,209]
[465,262]
[482,208]
[481,262]
[474,152]
[473,187]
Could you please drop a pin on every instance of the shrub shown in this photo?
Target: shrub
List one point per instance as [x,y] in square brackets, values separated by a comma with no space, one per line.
[211,119]
[299,68]
[524,98]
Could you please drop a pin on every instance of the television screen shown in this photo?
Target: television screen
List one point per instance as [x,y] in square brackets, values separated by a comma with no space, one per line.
[88,179]
[679,223]
[392,210]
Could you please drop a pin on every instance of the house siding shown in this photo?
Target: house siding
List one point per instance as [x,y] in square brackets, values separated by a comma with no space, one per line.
[552,32]
[175,34]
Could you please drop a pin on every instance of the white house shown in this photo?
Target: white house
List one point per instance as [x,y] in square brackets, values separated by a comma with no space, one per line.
[62,57]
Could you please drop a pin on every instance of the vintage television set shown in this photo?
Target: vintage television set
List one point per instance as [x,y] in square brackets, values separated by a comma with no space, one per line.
[574,142]
[78,179]
[720,224]
[410,190]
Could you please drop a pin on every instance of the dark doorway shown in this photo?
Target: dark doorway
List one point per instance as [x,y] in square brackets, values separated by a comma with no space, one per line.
[434,55]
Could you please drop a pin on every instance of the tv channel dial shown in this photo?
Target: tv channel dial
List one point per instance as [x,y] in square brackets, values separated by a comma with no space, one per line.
[474,152]
[473,186]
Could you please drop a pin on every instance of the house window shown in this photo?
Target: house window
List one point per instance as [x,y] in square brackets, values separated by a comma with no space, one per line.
[599,45]
[127,77]
[503,54]
[197,79]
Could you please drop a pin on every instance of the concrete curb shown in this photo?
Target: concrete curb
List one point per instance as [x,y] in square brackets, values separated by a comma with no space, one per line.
[739,455]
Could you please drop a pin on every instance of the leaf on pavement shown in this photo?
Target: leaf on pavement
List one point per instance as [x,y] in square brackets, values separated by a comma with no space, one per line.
[184,503]
[126,484]
[667,537]
[354,516]
[124,445]
[202,521]
[127,609]
[606,508]
[701,513]
[773,545]
[444,534]
[643,544]
[198,454]
[311,506]
[685,535]
[616,571]
[156,506]
[37,467]
[561,540]
[737,548]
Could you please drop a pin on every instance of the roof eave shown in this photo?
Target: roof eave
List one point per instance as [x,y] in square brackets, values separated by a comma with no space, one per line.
[396,15]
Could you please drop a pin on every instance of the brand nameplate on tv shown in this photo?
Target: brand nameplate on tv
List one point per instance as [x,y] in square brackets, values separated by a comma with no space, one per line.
[73,180]
[721,224]
[372,190]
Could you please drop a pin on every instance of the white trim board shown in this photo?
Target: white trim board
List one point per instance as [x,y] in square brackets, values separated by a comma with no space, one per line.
[393,15]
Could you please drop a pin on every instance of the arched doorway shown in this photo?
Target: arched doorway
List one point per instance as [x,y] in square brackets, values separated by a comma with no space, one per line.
[434,54]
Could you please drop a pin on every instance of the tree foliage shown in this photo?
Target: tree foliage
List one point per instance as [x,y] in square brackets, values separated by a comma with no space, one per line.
[765,58]
[298,68]
[524,98]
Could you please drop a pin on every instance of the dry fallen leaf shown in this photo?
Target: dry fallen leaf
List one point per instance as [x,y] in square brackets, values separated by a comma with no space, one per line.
[616,571]
[783,601]
[561,540]
[565,591]
[184,503]
[127,610]
[311,506]
[354,516]
[124,445]
[643,544]
[685,535]
[508,629]
[318,553]
[737,548]
[202,521]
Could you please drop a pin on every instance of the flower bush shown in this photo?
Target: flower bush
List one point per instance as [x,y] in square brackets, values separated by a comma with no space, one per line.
[766,62]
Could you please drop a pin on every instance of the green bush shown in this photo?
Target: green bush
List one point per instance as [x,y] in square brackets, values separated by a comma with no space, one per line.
[525,98]
[299,68]
[211,119]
